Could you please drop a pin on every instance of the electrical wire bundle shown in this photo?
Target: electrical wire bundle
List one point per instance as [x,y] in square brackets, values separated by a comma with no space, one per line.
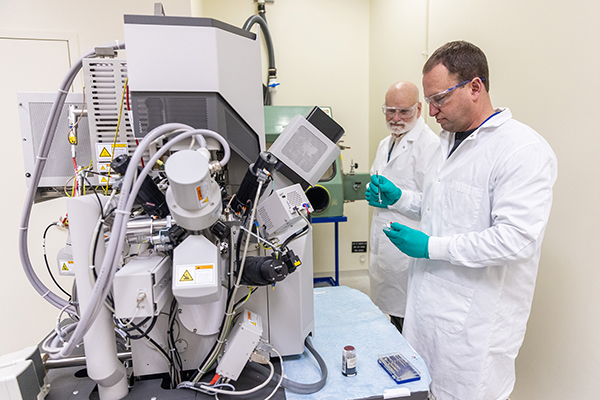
[215,387]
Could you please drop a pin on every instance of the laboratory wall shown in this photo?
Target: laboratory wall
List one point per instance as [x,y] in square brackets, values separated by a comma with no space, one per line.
[543,58]
[322,58]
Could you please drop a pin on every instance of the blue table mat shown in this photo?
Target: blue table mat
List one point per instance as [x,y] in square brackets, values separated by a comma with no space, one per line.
[345,316]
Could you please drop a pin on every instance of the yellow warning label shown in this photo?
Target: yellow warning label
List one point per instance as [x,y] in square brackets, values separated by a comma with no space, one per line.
[104,153]
[187,277]
[64,267]
[199,192]
[204,266]
[119,145]
[103,180]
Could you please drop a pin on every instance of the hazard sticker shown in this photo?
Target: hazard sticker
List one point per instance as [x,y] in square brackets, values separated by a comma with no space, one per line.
[104,151]
[65,267]
[195,275]
[252,318]
[186,277]
[104,167]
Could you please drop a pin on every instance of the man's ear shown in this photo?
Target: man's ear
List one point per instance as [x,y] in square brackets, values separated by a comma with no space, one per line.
[476,87]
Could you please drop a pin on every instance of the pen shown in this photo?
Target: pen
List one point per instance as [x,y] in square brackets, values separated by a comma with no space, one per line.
[378,188]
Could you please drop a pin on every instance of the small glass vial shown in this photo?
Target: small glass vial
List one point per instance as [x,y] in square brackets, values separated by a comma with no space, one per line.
[349,361]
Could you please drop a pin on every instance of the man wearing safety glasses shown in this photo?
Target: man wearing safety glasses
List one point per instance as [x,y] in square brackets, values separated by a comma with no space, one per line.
[484,210]
[403,157]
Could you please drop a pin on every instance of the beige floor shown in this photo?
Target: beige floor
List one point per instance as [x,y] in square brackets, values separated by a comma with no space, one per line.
[358,279]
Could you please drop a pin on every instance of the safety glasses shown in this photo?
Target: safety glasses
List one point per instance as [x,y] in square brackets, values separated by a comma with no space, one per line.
[403,112]
[440,98]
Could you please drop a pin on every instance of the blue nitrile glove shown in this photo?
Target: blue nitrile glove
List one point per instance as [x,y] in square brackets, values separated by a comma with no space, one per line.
[410,241]
[389,192]
[372,197]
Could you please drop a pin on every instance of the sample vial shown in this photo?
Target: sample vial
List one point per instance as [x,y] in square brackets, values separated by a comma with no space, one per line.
[349,361]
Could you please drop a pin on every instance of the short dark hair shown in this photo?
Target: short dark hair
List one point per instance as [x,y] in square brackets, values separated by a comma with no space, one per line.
[462,58]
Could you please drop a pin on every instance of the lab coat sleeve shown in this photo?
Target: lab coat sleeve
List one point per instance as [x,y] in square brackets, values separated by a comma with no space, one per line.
[409,204]
[520,200]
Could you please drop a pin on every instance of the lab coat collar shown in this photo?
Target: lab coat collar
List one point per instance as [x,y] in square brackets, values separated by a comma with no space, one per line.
[493,122]
[413,134]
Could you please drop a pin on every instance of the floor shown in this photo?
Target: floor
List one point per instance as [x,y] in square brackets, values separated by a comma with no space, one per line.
[358,279]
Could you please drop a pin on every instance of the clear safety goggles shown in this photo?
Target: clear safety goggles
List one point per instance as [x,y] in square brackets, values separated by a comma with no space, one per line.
[402,112]
[440,98]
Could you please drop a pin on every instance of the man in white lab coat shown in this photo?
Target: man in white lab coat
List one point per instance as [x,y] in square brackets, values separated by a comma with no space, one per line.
[402,157]
[483,213]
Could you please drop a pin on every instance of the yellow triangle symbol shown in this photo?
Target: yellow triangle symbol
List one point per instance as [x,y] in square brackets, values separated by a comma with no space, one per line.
[102,168]
[65,268]
[104,153]
[103,180]
[186,277]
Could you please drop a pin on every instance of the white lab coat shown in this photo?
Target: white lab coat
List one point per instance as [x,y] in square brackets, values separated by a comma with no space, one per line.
[388,269]
[486,209]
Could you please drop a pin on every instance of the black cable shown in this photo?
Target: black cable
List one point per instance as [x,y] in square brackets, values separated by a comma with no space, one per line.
[146,332]
[238,245]
[91,171]
[172,342]
[294,235]
[244,298]
[158,347]
[100,227]
[46,260]
[133,326]
[97,197]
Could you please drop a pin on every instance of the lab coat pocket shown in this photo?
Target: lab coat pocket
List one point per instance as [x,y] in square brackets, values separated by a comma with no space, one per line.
[389,257]
[461,204]
[444,305]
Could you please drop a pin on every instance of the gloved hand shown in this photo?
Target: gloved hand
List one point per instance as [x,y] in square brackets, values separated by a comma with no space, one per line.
[389,192]
[410,241]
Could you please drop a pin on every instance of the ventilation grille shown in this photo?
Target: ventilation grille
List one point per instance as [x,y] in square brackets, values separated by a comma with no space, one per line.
[59,166]
[294,201]
[105,101]
[265,219]
[154,110]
